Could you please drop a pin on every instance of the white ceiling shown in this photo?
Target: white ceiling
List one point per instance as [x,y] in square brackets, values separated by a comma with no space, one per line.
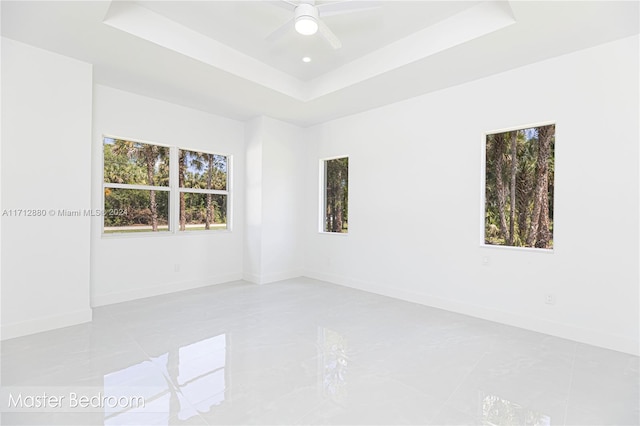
[213,56]
[244,26]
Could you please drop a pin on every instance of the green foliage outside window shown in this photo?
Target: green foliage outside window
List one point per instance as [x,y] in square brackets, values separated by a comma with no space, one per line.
[519,186]
[129,210]
[137,190]
[336,182]
[134,209]
[207,172]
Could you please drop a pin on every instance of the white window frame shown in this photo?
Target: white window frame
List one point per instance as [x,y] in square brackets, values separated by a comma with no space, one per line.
[178,190]
[322,198]
[106,185]
[483,177]
[173,190]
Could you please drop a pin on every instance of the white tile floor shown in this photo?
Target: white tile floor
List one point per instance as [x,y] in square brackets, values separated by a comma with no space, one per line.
[307,352]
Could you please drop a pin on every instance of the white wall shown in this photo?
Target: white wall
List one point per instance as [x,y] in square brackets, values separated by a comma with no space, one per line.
[46,131]
[273,246]
[415,216]
[283,148]
[1,44]
[253,201]
[132,266]
[425,247]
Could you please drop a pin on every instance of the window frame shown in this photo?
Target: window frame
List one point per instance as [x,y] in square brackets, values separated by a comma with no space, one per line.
[106,185]
[173,190]
[322,196]
[179,190]
[483,177]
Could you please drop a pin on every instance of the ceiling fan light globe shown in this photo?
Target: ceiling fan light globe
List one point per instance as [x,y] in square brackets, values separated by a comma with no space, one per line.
[306,25]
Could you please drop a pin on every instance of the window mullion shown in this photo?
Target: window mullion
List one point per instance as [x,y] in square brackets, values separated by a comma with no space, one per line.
[132,186]
[130,161]
[229,193]
[204,191]
[174,203]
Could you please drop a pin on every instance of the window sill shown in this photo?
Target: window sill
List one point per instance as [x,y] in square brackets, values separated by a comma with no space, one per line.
[513,248]
[125,235]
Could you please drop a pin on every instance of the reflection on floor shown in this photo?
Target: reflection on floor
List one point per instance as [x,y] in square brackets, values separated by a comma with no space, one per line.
[332,368]
[196,372]
[306,352]
[500,411]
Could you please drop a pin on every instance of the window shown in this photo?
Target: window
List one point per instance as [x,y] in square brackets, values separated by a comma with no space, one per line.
[336,195]
[203,191]
[140,196]
[518,198]
[136,186]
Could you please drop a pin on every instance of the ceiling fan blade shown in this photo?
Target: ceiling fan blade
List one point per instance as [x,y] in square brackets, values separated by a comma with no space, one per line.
[280,31]
[285,4]
[342,7]
[326,32]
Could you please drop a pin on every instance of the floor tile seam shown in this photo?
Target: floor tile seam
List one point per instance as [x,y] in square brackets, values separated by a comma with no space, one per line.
[331,403]
[320,406]
[129,334]
[462,381]
[391,377]
[573,366]
[175,388]
[48,347]
[441,404]
[169,380]
[317,406]
[325,401]
[117,320]
[175,417]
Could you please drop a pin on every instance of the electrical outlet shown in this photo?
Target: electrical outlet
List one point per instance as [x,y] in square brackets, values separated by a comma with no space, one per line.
[176,267]
[485,261]
[550,299]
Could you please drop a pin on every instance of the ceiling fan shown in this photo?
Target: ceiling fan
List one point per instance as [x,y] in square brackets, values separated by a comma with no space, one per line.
[307,18]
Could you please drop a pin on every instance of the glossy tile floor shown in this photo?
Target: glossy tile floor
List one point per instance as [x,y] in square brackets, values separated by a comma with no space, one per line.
[306,352]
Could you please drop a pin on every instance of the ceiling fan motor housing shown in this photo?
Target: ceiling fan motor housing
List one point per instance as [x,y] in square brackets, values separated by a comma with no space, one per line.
[306,19]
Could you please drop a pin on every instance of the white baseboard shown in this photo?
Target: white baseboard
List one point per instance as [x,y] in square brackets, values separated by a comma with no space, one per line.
[251,277]
[270,278]
[280,276]
[37,325]
[565,331]
[141,293]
